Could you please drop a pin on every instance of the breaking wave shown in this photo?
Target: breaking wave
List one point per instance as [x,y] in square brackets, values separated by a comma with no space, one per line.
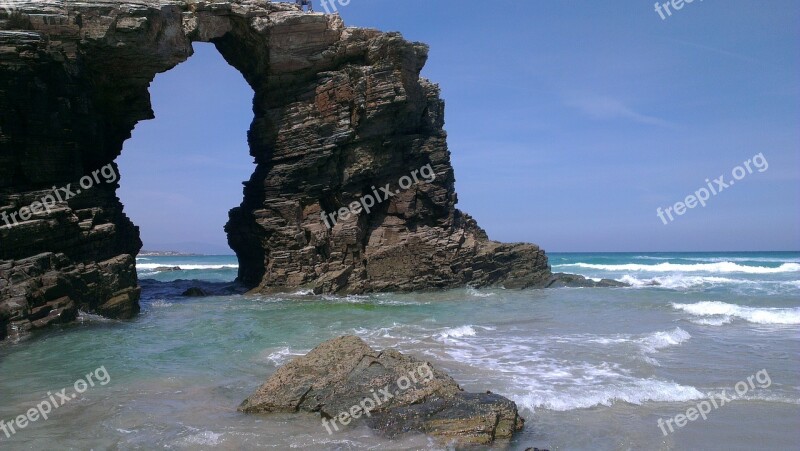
[723,313]
[153,266]
[720,267]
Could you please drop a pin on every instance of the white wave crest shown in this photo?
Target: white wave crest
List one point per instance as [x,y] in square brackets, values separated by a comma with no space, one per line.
[661,340]
[722,267]
[721,310]
[714,321]
[722,259]
[647,344]
[153,266]
[681,281]
[458,332]
[478,294]
[744,259]
[636,392]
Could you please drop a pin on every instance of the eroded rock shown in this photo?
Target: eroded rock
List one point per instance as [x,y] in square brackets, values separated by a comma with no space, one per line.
[393,393]
[339,112]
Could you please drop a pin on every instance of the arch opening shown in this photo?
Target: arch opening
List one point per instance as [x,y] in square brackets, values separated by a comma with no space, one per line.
[178,170]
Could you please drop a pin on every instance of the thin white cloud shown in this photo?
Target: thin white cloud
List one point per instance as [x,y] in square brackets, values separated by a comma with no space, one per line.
[716,50]
[608,108]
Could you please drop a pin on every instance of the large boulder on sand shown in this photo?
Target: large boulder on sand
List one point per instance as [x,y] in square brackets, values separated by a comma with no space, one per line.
[346,381]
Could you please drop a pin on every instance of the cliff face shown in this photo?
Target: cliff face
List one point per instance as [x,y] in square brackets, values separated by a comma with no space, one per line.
[339,113]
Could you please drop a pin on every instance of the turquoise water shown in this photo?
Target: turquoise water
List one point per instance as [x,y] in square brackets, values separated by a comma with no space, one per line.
[589,368]
[210,268]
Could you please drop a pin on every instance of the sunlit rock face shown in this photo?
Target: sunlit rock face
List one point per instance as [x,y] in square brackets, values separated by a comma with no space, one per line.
[341,115]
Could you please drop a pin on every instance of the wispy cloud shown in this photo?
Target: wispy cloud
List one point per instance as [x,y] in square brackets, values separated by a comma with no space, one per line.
[608,108]
[715,50]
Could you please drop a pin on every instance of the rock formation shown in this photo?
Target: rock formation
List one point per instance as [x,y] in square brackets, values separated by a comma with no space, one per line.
[339,113]
[341,379]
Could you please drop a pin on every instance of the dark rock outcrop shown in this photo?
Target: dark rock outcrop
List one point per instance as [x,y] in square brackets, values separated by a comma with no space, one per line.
[337,111]
[168,269]
[341,379]
[194,292]
[562,280]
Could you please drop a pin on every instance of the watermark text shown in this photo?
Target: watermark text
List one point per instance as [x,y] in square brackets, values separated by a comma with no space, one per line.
[715,400]
[702,195]
[54,401]
[369,403]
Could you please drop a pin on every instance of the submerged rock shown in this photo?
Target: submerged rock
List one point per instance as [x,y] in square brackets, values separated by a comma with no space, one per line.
[562,280]
[194,292]
[168,268]
[345,380]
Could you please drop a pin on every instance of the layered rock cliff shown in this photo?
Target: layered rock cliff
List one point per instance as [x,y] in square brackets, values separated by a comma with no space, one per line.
[339,114]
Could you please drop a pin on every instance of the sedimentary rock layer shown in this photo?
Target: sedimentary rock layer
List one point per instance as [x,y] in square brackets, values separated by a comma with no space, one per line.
[339,113]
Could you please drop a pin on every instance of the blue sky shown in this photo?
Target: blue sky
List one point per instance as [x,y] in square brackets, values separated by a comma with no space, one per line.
[569,123]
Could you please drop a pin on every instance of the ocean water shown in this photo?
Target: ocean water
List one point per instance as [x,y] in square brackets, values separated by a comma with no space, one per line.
[589,368]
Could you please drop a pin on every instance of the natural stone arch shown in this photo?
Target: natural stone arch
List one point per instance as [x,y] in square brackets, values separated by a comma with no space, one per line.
[337,111]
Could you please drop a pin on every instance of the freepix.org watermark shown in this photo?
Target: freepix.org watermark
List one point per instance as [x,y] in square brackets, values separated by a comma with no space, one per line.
[330,5]
[663,9]
[50,200]
[717,400]
[366,203]
[758,162]
[369,403]
[54,401]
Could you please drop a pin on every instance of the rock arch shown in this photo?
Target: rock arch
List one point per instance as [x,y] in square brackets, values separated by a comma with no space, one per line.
[338,113]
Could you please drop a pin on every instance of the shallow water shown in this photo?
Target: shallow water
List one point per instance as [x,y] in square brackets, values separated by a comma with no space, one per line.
[589,368]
